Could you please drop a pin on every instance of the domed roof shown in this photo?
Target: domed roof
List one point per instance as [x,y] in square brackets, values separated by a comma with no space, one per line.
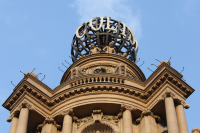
[32,73]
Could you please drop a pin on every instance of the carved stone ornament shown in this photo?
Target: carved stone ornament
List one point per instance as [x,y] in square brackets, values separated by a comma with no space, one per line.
[48,120]
[195,130]
[66,112]
[27,105]
[97,115]
[186,105]
[147,112]
[127,107]
[169,93]
[9,118]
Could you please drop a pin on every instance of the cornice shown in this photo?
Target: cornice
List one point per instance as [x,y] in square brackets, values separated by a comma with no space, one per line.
[103,87]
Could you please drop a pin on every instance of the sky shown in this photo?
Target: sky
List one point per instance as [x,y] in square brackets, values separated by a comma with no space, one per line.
[38,34]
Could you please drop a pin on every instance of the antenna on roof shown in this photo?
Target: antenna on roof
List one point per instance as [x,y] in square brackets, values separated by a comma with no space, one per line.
[12,84]
[150,69]
[22,72]
[64,65]
[39,74]
[33,69]
[43,78]
[158,60]
[67,62]
[182,70]
[61,70]
[141,64]
[183,79]
[169,58]
[154,65]
[137,61]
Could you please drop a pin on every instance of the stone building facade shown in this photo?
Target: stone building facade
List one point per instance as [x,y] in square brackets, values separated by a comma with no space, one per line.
[103,91]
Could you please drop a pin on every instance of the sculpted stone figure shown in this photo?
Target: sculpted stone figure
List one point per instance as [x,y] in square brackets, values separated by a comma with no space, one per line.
[110,48]
[94,49]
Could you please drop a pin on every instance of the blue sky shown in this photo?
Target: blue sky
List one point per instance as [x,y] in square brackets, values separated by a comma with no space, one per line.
[38,34]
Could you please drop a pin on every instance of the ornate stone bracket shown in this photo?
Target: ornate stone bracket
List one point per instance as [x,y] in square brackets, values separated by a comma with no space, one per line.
[97,115]
[9,118]
[147,112]
[48,120]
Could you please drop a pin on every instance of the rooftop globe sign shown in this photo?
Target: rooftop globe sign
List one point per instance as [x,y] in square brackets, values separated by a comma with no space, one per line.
[104,35]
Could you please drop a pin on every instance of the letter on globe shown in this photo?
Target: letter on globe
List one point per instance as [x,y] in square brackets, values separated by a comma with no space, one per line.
[101,23]
[108,25]
[124,28]
[77,31]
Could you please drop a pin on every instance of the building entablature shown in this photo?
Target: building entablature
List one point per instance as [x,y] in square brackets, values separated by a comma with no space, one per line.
[143,97]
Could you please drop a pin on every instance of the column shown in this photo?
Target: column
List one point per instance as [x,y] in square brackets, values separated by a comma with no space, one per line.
[23,121]
[127,122]
[13,126]
[67,122]
[182,123]
[172,124]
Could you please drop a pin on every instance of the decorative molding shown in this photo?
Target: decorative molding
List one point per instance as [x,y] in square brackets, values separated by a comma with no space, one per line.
[103,121]
[147,112]
[48,120]
[66,112]
[97,115]
[127,107]
[169,93]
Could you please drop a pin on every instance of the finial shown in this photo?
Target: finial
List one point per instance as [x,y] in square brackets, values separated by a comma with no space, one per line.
[67,62]
[154,65]
[141,64]
[64,65]
[182,70]
[33,69]
[138,61]
[12,84]
[150,69]
[61,70]
[43,78]
[39,74]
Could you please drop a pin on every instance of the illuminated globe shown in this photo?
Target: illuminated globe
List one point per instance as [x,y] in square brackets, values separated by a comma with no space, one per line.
[104,35]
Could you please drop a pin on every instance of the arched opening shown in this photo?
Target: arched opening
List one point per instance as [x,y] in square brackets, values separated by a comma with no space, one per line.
[98,128]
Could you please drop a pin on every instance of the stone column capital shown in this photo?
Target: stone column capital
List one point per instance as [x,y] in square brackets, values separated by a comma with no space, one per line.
[186,105]
[195,130]
[147,112]
[127,107]
[66,112]
[169,93]
[48,120]
[27,105]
